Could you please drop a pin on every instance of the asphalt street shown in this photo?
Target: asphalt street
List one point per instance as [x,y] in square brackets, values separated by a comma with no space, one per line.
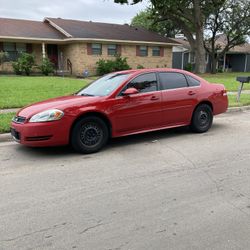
[164,190]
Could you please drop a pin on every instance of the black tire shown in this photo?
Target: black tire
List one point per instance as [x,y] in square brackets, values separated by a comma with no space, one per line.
[89,135]
[202,119]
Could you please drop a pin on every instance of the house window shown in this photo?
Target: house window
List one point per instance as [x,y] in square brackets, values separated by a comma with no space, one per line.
[8,47]
[13,50]
[112,49]
[143,51]
[21,47]
[96,49]
[156,51]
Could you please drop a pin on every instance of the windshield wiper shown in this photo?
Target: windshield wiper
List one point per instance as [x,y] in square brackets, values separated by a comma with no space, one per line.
[85,94]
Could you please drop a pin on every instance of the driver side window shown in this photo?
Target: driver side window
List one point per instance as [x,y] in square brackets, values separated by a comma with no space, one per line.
[144,83]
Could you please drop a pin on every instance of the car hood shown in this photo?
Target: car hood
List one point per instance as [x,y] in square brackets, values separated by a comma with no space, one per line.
[63,103]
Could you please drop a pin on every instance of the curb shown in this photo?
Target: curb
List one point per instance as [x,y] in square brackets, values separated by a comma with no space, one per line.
[238,109]
[7,137]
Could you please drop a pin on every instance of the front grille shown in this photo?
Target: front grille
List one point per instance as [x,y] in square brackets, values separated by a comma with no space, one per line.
[38,138]
[19,119]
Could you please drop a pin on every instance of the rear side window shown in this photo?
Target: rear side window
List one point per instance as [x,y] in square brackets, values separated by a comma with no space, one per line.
[170,80]
[144,83]
[192,82]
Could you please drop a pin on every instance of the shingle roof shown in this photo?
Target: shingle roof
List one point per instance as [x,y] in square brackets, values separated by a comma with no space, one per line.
[83,29]
[63,29]
[183,42]
[221,40]
[27,29]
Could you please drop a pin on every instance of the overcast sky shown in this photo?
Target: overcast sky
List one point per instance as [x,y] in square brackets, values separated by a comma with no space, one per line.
[94,10]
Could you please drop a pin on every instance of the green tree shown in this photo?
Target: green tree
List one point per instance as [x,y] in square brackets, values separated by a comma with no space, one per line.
[190,17]
[146,19]
[230,22]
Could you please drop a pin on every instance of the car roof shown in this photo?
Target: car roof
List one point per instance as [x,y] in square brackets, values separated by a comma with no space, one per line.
[138,71]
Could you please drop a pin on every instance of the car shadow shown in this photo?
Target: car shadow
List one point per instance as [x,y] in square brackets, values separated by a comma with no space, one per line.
[65,151]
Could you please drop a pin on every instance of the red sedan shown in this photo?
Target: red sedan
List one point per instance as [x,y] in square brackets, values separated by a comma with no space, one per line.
[120,104]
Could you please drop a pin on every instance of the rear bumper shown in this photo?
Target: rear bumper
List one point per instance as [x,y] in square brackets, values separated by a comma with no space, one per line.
[41,134]
[220,105]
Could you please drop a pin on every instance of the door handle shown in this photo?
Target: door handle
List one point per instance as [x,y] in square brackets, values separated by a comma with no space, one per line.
[191,93]
[153,98]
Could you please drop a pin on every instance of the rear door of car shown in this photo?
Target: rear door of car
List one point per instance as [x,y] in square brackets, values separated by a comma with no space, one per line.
[139,111]
[178,98]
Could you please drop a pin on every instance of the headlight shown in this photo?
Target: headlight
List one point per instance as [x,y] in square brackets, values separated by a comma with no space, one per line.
[48,115]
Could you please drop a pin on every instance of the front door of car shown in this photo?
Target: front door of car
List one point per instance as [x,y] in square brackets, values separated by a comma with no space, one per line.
[139,111]
[178,99]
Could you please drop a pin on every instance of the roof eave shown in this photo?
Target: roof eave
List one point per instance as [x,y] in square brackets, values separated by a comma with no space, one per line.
[58,28]
[65,40]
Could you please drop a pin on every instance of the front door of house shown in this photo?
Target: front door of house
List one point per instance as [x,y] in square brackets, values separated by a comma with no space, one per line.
[52,51]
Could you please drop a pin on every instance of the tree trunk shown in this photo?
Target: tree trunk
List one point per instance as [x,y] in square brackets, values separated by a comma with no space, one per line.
[200,52]
[213,64]
[200,55]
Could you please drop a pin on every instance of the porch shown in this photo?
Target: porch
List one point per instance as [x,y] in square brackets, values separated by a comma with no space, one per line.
[11,51]
[235,62]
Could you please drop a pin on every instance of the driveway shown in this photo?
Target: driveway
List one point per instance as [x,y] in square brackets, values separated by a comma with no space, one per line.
[165,190]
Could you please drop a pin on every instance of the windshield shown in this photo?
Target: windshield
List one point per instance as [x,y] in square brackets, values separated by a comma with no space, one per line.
[104,85]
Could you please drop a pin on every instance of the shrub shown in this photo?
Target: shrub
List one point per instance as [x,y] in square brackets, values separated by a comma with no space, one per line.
[26,61]
[47,66]
[104,66]
[17,68]
[189,67]
[3,56]
[139,66]
[108,66]
[24,64]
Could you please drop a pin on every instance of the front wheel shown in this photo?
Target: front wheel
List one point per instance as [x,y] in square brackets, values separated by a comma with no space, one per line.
[89,135]
[202,119]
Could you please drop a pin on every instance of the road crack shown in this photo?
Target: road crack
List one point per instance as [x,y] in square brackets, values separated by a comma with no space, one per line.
[91,227]
[35,232]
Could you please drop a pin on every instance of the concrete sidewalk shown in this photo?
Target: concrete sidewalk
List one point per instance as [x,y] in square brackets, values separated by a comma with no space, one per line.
[5,111]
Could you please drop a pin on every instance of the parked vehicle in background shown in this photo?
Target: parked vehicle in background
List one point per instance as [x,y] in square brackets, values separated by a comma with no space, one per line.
[119,104]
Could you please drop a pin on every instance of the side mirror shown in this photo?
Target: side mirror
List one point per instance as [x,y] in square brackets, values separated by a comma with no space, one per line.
[130,91]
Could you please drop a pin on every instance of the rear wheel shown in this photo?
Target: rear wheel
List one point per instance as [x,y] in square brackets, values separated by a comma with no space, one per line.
[202,119]
[89,135]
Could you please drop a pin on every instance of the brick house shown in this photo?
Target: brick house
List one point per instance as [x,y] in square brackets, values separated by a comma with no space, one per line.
[76,46]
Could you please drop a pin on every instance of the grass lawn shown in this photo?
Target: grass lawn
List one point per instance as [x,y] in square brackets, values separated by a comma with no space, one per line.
[228,79]
[5,120]
[18,91]
[244,100]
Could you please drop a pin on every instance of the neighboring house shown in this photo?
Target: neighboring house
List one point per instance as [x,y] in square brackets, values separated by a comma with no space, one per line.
[236,59]
[77,45]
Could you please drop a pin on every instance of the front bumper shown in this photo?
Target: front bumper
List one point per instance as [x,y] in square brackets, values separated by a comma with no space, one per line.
[41,134]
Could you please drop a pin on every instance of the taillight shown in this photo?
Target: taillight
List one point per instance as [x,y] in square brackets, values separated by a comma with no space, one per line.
[224,92]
